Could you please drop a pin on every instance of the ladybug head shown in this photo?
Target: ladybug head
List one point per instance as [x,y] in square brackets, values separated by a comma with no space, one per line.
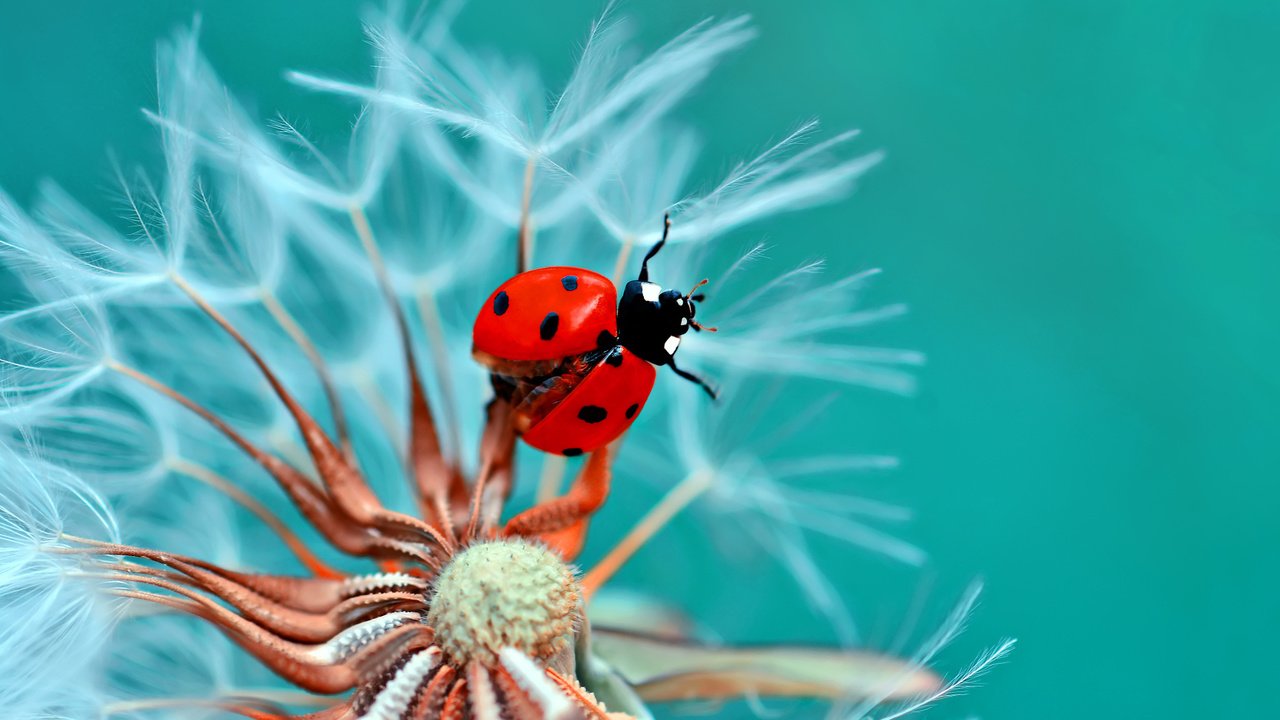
[685,307]
[652,320]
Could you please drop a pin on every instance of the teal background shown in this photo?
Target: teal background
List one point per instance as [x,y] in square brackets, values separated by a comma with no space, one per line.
[1080,204]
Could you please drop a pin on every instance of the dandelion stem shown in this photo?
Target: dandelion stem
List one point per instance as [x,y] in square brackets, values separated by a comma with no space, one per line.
[524,248]
[552,477]
[211,478]
[360,222]
[429,309]
[295,331]
[367,386]
[680,497]
[624,255]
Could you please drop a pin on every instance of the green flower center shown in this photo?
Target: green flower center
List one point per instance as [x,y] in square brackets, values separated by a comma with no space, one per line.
[505,593]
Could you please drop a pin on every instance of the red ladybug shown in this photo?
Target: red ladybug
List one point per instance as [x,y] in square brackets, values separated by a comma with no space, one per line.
[577,370]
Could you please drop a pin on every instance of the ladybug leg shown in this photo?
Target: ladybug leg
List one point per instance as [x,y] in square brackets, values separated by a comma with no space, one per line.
[692,378]
[644,264]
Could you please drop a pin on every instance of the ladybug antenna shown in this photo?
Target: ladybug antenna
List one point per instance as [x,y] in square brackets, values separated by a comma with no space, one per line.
[644,264]
[699,297]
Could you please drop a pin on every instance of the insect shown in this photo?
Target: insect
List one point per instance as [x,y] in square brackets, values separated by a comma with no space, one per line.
[577,370]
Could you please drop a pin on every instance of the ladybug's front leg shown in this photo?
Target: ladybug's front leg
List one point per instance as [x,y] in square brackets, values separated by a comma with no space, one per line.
[692,378]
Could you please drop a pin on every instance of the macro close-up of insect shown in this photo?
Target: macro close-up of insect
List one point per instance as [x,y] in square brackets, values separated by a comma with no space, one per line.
[484,360]
[575,370]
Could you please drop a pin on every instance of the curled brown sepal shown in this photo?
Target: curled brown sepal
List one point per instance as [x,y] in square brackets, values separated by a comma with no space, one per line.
[561,522]
[664,669]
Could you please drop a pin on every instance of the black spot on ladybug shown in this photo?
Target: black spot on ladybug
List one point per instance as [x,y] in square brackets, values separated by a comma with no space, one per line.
[606,339]
[631,411]
[615,358]
[592,414]
[570,282]
[571,452]
[500,303]
[550,324]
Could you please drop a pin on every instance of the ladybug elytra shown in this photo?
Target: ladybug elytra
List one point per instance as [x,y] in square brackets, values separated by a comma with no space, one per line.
[576,364]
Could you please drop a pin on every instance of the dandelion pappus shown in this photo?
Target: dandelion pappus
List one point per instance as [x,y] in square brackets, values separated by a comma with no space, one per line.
[577,371]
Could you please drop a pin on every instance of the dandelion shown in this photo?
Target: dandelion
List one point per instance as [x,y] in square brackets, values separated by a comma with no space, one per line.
[248,466]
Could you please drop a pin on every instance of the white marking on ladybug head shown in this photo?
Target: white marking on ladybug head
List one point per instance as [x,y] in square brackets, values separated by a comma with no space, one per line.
[671,344]
[650,291]
[680,302]
[684,321]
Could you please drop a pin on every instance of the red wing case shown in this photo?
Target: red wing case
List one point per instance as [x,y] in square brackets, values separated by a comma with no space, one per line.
[600,407]
[547,314]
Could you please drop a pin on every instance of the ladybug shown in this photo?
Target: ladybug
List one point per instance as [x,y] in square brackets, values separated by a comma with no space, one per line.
[576,364]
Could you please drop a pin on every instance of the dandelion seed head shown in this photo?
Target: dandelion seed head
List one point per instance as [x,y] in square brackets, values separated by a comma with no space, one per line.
[144,373]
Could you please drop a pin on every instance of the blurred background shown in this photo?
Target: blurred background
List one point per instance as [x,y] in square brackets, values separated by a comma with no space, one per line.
[1078,204]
